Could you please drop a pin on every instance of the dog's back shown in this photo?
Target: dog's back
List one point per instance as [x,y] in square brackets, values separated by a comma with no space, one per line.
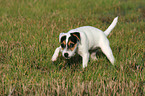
[93,34]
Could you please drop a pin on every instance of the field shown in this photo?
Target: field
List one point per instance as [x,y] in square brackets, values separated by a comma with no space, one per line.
[29,31]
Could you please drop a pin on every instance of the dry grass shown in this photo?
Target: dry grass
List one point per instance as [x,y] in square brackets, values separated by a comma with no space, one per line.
[29,31]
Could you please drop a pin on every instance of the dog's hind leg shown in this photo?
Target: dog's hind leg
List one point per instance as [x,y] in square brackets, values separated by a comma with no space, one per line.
[108,52]
[93,55]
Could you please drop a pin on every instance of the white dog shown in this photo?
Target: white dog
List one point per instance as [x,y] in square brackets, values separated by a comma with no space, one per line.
[85,40]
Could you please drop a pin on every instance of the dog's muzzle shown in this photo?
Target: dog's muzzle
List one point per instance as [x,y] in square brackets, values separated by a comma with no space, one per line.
[67,55]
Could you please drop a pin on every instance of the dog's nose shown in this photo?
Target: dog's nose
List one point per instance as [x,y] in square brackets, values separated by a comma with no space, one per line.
[66,55]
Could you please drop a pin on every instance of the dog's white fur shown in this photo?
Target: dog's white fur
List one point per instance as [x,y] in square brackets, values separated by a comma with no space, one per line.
[90,39]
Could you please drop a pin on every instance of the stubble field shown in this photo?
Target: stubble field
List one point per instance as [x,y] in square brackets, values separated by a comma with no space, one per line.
[29,31]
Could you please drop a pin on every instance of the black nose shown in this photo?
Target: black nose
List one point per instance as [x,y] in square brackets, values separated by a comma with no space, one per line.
[66,55]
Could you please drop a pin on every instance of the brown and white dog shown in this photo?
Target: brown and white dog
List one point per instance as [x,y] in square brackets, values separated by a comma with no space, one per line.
[83,40]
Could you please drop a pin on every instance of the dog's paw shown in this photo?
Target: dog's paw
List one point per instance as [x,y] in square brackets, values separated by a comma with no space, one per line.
[94,58]
[84,66]
[53,59]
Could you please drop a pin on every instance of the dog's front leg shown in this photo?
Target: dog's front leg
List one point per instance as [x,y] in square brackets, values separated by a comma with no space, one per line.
[55,55]
[85,59]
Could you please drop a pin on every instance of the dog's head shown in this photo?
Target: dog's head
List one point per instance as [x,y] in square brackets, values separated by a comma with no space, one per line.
[69,43]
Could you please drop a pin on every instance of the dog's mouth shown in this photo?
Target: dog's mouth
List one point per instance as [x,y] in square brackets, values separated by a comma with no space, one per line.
[67,57]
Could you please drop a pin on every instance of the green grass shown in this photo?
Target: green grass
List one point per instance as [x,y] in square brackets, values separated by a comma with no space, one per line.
[29,31]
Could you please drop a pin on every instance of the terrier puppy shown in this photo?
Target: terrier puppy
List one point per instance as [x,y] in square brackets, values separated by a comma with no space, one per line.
[84,39]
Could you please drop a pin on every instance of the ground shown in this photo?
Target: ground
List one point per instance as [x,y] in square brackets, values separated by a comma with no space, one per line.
[29,31]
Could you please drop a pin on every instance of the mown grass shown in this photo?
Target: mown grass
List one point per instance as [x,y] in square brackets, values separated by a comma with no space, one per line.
[29,31]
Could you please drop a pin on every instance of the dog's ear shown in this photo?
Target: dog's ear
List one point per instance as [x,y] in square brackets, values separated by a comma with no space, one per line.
[77,35]
[60,36]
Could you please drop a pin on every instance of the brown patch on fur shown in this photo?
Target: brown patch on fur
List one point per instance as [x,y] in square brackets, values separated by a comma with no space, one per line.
[70,43]
[64,43]
[76,36]
[71,48]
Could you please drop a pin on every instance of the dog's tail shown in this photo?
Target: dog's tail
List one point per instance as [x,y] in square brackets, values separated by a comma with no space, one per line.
[113,24]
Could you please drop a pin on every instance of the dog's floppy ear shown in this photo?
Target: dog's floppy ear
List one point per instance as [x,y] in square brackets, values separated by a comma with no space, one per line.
[77,35]
[61,35]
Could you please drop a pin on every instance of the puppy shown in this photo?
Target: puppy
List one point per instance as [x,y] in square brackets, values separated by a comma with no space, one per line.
[84,40]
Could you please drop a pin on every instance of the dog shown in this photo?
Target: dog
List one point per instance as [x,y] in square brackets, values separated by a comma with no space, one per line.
[85,41]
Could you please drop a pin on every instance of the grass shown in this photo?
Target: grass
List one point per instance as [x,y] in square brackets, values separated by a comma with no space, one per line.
[29,31]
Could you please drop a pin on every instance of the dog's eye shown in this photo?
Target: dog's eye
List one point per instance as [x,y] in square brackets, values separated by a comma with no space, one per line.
[71,45]
[62,45]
